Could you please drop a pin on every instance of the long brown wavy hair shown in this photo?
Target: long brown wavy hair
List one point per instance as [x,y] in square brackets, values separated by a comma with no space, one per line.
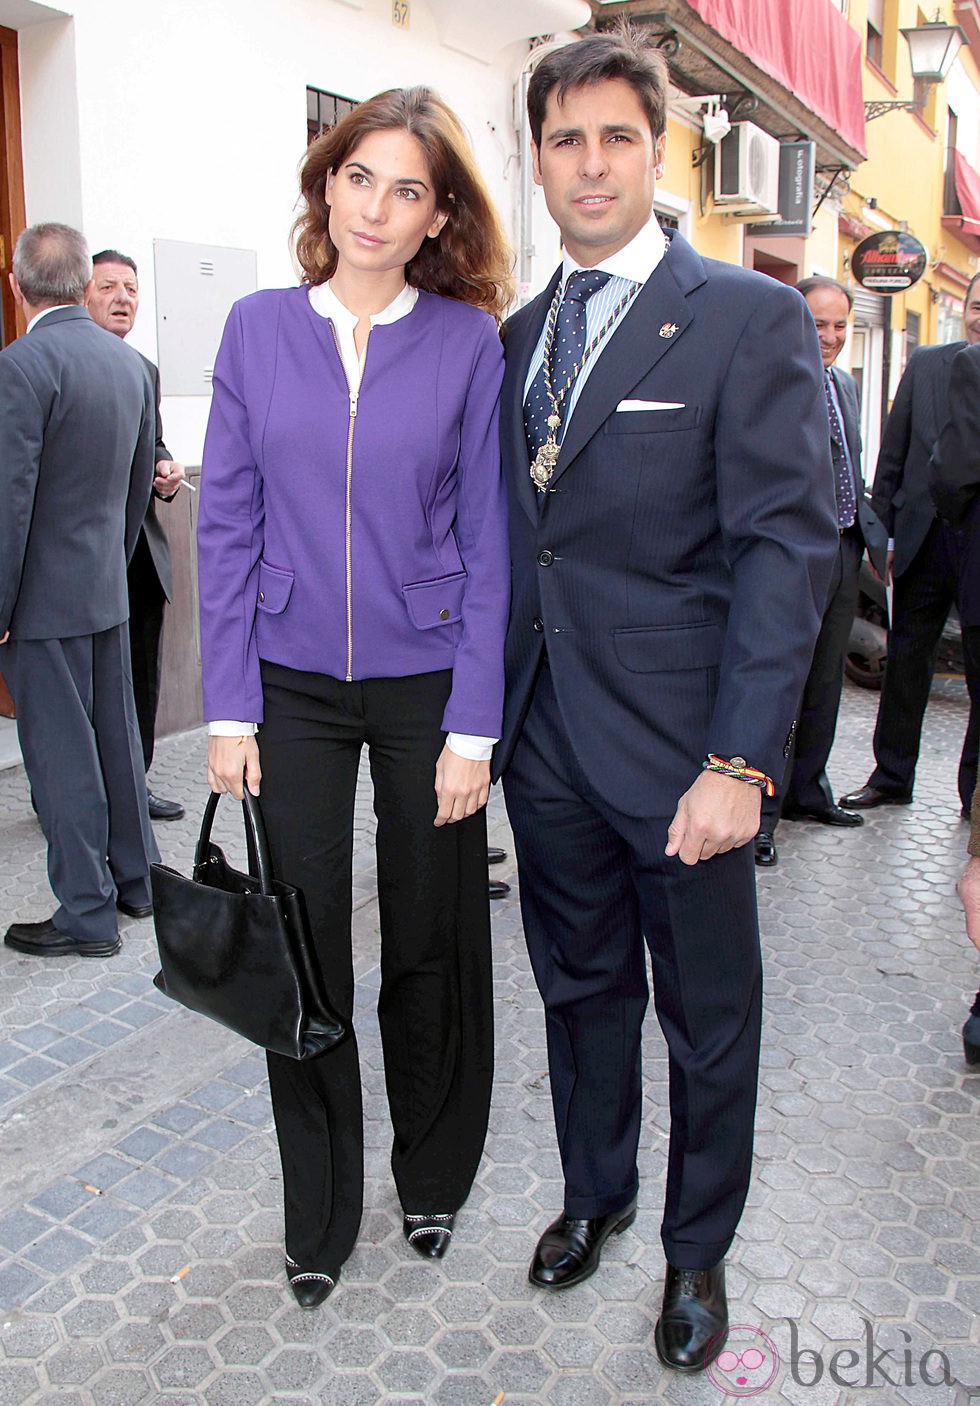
[470,260]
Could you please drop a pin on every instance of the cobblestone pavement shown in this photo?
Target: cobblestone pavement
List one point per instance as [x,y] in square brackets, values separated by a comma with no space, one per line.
[140,1240]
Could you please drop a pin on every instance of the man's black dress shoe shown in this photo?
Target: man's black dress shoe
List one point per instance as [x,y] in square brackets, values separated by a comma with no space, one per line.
[693,1325]
[498,889]
[765,850]
[971,1034]
[495,855]
[966,813]
[868,797]
[163,810]
[45,940]
[569,1250]
[429,1235]
[135,910]
[309,1287]
[824,815]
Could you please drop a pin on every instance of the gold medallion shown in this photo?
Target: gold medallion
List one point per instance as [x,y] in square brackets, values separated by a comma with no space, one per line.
[544,463]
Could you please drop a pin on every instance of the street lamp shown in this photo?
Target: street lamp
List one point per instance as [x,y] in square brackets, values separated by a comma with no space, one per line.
[932,48]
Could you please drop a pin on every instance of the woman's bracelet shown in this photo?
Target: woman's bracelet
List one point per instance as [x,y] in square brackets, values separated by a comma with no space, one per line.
[739,768]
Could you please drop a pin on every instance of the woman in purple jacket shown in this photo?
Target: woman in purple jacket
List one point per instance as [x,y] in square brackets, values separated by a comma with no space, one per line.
[354,590]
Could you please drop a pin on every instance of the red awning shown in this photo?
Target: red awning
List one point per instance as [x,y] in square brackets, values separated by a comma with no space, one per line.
[807,46]
[967,193]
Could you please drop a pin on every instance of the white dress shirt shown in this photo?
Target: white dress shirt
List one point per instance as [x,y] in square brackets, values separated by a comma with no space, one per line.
[44,312]
[629,267]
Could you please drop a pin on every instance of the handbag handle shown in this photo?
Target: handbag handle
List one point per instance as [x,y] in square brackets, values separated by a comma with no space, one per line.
[258,841]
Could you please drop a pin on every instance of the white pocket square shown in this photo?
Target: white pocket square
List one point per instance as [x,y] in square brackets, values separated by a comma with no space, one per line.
[650,405]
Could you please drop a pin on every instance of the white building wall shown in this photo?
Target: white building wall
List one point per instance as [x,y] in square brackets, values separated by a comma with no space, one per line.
[187,121]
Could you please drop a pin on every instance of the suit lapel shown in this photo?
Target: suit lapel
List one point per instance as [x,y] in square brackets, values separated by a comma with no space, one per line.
[520,343]
[940,387]
[637,345]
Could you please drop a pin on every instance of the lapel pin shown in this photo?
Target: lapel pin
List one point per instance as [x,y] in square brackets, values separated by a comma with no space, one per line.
[668,329]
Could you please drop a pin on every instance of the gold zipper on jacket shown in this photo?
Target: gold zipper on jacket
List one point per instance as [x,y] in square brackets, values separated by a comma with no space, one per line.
[349,676]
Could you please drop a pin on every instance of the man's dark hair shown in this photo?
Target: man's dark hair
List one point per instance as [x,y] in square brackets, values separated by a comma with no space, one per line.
[51,264]
[622,53]
[113,256]
[820,280]
[970,287]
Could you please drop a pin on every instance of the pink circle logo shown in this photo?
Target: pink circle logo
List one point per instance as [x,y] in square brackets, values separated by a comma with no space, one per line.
[747,1364]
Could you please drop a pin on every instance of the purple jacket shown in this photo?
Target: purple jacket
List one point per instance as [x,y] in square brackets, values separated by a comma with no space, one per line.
[361,546]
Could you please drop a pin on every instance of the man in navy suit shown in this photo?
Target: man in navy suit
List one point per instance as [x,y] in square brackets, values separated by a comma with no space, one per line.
[955,482]
[924,562]
[672,413]
[804,793]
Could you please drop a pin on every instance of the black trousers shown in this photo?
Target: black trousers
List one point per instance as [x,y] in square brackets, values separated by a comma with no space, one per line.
[595,884]
[77,728]
[435,1006]
[922,599]
[146,606]
[804,783]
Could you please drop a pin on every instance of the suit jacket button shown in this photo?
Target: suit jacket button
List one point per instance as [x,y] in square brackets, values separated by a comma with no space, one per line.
[444,614]
[545,558]
[538,624]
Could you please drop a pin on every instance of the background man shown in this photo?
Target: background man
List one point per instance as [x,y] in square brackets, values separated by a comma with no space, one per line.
[112,301]
[803,792]
[76,462]
[955,483]
[925,565]
[672,412]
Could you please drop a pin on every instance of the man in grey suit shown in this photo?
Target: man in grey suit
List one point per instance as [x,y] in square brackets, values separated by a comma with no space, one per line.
[112,300]
[76,462]
[924,561]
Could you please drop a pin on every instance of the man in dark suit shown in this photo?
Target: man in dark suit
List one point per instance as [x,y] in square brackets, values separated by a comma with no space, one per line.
[803,792]
[955,483]
[112,301]
[76,462]
[666,447]
[924,564]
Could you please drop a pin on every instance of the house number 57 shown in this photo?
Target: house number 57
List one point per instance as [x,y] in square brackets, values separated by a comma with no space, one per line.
[401,11]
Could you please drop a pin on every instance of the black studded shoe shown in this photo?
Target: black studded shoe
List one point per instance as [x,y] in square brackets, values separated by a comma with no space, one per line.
[310,1288]
[429,1235]
[971,1034]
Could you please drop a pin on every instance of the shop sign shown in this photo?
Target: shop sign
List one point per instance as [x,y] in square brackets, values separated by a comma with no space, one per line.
[889,261]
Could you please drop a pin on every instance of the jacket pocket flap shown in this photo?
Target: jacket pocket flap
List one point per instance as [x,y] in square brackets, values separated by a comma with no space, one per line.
[668,648]
[275,588]
[432,603]
[685,417]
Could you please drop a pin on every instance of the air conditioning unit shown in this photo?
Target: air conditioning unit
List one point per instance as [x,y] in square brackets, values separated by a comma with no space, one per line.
[747,171]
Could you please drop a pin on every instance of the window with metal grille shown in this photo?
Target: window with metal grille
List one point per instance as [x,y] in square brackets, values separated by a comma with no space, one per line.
[324,110]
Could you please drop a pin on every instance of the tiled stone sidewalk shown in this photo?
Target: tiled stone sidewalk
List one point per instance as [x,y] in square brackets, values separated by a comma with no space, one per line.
[140,1242]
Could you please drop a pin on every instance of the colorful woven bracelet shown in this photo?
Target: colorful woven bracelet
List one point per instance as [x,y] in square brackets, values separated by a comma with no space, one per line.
[740,770]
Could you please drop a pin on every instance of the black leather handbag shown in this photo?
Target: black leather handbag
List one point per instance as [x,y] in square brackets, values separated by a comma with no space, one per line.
[237,947]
